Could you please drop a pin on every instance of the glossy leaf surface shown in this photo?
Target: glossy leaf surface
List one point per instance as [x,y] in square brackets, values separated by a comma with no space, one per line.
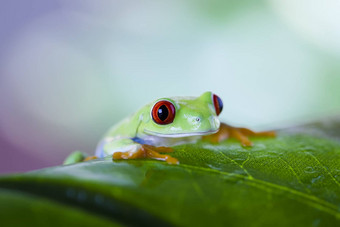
[289,180]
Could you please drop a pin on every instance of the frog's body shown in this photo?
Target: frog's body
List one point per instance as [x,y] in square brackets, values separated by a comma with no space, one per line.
[168,122]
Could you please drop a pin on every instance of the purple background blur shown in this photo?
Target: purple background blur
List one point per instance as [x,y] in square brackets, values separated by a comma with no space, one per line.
[14,16]
[71,69]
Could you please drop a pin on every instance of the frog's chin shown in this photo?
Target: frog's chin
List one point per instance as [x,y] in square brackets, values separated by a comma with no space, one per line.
[184,134]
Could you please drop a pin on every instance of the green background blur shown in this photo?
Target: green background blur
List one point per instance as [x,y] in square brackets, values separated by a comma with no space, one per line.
[71,69]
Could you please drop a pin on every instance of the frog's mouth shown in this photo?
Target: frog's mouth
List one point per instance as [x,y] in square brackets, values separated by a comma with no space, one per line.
[184,134]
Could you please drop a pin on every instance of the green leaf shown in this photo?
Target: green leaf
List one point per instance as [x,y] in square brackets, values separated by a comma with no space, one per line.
[291,180]
[22,209]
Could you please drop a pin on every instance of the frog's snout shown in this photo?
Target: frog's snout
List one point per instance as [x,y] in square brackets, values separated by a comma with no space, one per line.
[206,124]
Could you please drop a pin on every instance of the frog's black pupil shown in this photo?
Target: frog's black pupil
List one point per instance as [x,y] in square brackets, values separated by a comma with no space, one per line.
[220,103]
[163,112]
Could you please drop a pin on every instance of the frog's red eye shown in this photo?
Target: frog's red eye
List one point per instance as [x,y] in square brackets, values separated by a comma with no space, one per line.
[218,104]
[163,112]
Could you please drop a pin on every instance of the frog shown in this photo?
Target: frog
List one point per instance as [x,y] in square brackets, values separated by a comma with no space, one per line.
[153,131]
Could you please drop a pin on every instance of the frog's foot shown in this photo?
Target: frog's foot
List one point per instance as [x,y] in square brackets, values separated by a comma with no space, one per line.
[241,134]
[88,158]
[147,151]
[75,157]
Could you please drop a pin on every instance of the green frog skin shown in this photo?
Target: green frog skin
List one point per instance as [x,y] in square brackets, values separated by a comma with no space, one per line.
[167,122]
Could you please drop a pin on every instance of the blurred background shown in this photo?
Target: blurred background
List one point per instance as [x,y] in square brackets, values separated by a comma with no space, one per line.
[71,69]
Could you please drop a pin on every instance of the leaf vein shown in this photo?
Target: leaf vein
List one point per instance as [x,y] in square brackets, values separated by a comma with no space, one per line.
[295,174]
[322,166]
[313,200]
[236,163]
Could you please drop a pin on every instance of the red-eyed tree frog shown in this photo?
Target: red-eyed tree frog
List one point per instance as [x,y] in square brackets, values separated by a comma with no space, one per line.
[164,123]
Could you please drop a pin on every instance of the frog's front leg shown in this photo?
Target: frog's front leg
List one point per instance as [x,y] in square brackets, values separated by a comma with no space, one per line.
[129,149]
[241,134]
[146,151]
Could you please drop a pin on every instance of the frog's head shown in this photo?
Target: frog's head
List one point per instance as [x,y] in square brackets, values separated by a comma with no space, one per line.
[184,116]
